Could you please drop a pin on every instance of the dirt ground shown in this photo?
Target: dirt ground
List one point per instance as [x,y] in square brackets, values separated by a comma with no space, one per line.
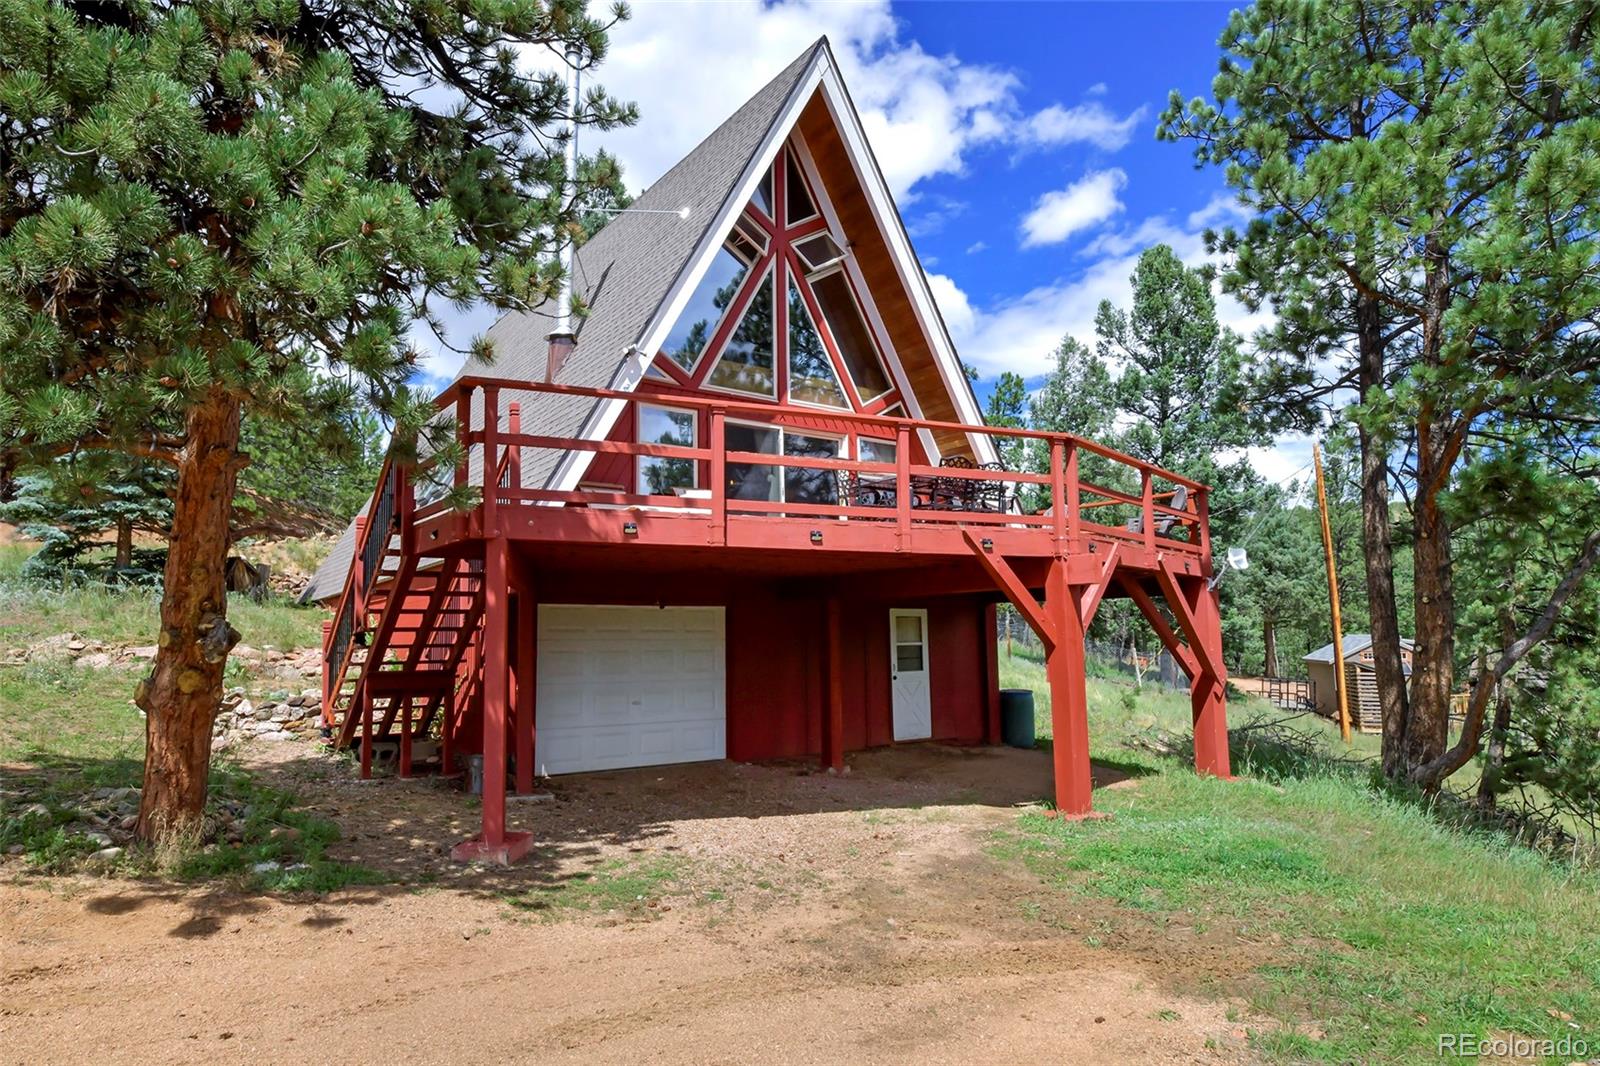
[811,918]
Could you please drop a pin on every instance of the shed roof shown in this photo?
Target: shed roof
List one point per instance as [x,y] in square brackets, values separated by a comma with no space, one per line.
[1354,644]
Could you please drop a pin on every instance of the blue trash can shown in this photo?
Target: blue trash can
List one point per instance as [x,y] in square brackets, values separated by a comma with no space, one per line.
[1016,717]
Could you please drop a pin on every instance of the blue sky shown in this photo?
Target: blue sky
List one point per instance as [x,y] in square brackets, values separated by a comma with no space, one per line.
[1019,139]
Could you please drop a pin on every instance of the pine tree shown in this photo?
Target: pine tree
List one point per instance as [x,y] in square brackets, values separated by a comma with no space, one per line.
[1008,406]
[237,208]
[1425,200]
[71,504]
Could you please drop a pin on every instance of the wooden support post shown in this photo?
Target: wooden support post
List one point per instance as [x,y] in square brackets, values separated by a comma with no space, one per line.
[717,440]
[833,722]
[327,674]
[1069,697]
[493,843]
[364,702]
[1058,493]
[405,736]
[491,462]
[514,451]
[525,659]
[1071,502]
[902,485]
[989,656]
[1209,696]
[1147,509]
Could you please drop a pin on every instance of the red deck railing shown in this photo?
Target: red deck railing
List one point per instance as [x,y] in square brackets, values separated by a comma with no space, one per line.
[1170,510]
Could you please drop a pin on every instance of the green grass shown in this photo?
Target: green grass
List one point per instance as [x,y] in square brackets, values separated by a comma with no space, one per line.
[631,887]
[1389,927]
[68,730]
[269,827]
[31,611]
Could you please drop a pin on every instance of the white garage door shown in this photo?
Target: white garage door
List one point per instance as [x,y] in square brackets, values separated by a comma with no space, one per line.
[629,686]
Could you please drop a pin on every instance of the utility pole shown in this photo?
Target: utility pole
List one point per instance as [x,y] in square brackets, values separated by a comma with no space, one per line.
[1340,687]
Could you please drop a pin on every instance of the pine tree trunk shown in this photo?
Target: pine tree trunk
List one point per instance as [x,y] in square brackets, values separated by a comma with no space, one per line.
[1495,760]
[1269,644]
[124,543]
[1387,665]
[180,696]
[1433,668]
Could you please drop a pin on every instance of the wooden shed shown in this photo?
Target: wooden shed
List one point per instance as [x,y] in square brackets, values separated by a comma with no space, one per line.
[1365,714]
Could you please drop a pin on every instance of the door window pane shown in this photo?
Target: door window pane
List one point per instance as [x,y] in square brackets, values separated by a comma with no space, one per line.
[908,657]
[810,486]
[748,481]
[693,330]
[665,425]
[746,362]
[850,333]
[800,205]
[811,376]
[908,628]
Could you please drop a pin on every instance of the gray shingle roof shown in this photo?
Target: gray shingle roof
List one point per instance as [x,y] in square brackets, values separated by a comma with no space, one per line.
[623,276]
[1354,644]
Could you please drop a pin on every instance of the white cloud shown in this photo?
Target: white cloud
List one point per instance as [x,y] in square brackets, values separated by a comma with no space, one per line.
[1089,123]
[1086,202]
[689,65]
[1221,210]
[976,246]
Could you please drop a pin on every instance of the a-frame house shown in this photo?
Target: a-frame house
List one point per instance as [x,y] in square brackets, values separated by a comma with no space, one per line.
[747,508]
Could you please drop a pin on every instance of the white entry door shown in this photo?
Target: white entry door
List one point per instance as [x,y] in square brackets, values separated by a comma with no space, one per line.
[908,672]
[629,686]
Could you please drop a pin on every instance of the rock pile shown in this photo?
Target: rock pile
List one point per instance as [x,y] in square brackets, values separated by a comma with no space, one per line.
[265,664]
[278,717]
[106,817]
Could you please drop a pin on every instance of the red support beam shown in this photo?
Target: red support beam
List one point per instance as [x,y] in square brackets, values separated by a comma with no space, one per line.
[1015,590]
[1169,639]
[1093,594]
[1184,610]
[833,721]
[1069,697]
[493,843]
[524,660]
[989,656]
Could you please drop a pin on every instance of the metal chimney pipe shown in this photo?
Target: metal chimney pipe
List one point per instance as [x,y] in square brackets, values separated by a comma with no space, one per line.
[562,339]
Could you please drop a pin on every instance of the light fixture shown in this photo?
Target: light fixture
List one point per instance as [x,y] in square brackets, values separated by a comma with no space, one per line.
[816,536]
[988,545]
[630,529]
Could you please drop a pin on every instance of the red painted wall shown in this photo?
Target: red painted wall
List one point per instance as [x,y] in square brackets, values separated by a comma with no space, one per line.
[777,659]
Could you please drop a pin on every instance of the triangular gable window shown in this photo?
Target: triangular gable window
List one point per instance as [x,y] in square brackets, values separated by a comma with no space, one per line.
[811,375]
[698,323]
[814,348]
[746,364]
[800,206]
[762,201]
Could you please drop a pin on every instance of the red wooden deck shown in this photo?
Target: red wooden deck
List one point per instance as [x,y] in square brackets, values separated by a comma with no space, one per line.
[423,627]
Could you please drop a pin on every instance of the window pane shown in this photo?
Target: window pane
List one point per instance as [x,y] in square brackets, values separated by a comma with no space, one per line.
[694,327]
[810,486]
[763,196]
[850,334]
[811,376]
[875,451]
[747,481]
[819,251]
[748,238]
[661,425]
[908,628]
[746,363]
[908,657]
[800,205]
